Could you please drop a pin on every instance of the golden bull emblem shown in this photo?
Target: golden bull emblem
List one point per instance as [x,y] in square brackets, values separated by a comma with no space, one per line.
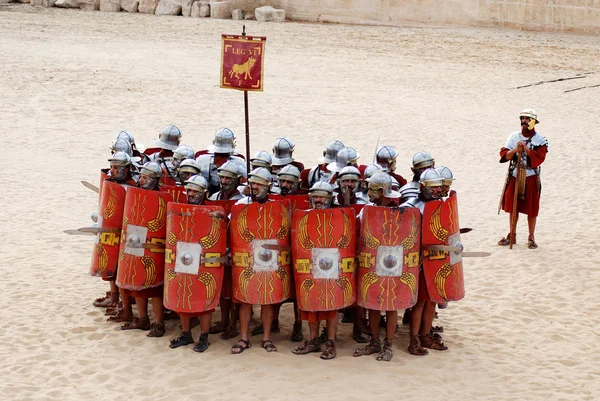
[243,69]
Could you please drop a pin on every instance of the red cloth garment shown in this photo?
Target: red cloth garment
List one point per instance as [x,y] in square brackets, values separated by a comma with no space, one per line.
[423,293]
[531,204]
[313,317]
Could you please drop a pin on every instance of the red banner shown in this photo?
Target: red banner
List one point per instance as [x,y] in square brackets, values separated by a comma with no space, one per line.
[242,64]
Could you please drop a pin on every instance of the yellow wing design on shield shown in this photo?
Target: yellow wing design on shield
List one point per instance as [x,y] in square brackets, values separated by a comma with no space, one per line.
[211,285]
[346,287]
[285,279]
[244,281]
[242,226]
[284,230]
[440,279]
[303,236]
[370,240]
[367,281]
[307,285]
[111,205]
[344,240]
[411,239]
[439,232]
[210,239]
[159,221]
[151,270]
[410,280]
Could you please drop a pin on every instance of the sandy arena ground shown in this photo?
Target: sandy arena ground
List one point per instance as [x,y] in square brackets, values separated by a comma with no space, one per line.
[528,328]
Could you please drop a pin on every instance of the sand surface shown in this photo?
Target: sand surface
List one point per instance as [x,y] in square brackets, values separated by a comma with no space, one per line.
[528,328]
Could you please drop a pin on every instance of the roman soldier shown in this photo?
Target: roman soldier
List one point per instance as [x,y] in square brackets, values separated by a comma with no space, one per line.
[283,149]
[383,268]
[386,158]
[183,152]
[349,185]
[221,151]
[324,250]
[186,169]
[423,312]
[528,149]
[192,282]
[320,172]
[259,232]
[229,180]
[447,179]
[288,180]
[421,161]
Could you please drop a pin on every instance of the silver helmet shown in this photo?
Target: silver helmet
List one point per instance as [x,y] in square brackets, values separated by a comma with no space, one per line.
[431,184]
[320,189]
[169,137]
[260,175]
[120,159]
[224,141]
[282,152]
[150,174]
[386,157]
[229,169]
[372,169]
[349,173]
[198,184]
[331,151]
[384,182]
[529,113]
[120,163]
[290,174]
[125,135]
[261,159]
[189,166]
[121,145]
[182,153]
[422,160]
[345,157]
[446,174]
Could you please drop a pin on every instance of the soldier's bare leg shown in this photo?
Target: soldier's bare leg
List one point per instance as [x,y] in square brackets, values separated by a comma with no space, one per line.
[244,342]
[416,314]
[506,240]
[142,322]
[357,334]
[531,220]
[425,337]
[266,315]
[126,314]
[204,328]
[330,351]
[374,345]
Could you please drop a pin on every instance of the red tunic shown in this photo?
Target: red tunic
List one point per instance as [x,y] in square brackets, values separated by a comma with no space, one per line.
[531,204]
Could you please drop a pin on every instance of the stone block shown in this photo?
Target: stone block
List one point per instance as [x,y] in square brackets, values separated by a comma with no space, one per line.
[186,7]
[237,14]
[168,7]
[268,13]
[88,5]
[110,6]
[48,3]
[131,6]
[147,6]
[249,17]
[67,3]
[220,9]
[204,10]
[36,2]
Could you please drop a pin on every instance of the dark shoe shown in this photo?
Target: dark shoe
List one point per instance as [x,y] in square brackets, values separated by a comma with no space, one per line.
[218,327]
[358,336]
[297,335]
[240,347]
[313,345]
[157,330]
[330,352]
[268,345]
[231,332]
[202,343]
[373,347]
[323,337]
[184,339]
[531,242]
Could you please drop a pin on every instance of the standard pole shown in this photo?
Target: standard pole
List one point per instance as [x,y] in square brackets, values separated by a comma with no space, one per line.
[247,131]
[515,209]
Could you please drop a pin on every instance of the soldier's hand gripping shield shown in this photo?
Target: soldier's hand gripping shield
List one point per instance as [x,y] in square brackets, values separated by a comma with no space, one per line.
[260,247]
[388,258]
[443,270]
[105,256]
[142,253]
[324,249]
[195,257]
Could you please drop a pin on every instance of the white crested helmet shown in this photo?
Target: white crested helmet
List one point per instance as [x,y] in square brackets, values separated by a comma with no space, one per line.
[183,152]
[120,159]
[189,166]
[121,145]
[260,175]
[125,135]
[151,169]
[261,159]
[383,181]
[372,169]
[430,178]
[349,172]
[197,183]
[446,174]
[529,113]
[345,156]
[229,169]
[289,172]
[169,137]
[283,148]
[331,151]
[385,156]
[422,160]
[224,141]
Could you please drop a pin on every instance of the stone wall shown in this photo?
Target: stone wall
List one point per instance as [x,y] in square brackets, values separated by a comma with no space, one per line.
[581,16]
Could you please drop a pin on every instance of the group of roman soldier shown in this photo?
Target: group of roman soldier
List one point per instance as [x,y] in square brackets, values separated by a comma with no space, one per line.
[194,230]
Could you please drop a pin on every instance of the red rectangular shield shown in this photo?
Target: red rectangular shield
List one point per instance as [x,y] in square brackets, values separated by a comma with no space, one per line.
[242,62]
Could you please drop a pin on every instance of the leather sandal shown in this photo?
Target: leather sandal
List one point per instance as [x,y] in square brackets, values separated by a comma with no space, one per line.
[268,345]
[184,339]
[428,341]
[202,343]
[373,347]
[313,345]
[157,330]
[240,347]
[531,242]
[415,348]
[386,353]
[330,351]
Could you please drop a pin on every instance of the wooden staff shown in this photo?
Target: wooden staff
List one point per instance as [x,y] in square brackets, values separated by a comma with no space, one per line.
[515,210]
